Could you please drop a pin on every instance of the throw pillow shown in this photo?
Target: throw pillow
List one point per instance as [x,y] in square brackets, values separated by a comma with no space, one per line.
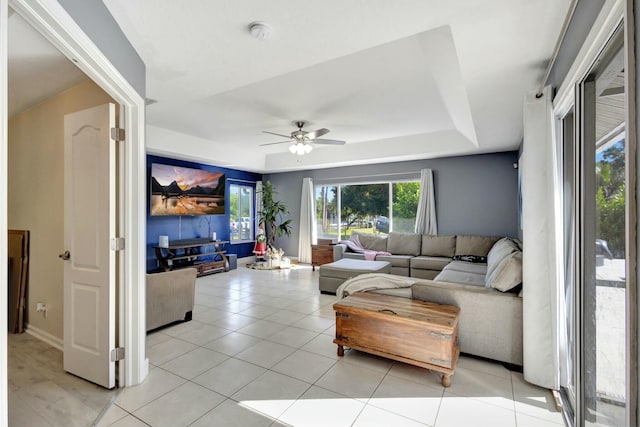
[470,258]
[500,251]
[508,274]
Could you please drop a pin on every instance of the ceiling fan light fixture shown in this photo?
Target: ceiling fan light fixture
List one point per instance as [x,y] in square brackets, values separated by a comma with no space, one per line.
[307,148]
[292,148]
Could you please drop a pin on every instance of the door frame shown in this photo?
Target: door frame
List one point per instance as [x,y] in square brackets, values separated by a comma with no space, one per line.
[55,24]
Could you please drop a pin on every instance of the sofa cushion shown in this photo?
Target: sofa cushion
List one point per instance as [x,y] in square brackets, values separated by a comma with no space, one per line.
[500,250]
[474,245]
[396,260]
[404,243]
[347,268]
[508,274]
[373,242]
[438,245]
[454,276]
[463,272]
[429,262]
[467,267]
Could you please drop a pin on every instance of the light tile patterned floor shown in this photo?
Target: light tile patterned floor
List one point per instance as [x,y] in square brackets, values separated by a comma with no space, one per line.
[259,352]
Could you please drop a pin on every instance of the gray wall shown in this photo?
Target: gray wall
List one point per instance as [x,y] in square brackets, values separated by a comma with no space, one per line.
[474,194]
[96,21]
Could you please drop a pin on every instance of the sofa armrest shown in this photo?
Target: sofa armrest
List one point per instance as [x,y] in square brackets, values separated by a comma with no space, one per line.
[490,321]
[338,251]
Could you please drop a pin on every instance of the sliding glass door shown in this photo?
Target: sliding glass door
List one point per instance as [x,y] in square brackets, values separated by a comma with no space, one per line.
[594,186]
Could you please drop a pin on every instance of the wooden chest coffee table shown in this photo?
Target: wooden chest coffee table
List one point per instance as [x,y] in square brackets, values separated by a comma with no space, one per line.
[416,332]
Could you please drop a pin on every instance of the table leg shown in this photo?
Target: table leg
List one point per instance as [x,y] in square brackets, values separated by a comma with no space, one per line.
[340,350]
[446,380]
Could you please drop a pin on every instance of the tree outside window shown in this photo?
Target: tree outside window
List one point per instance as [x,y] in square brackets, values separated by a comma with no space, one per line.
[366,208]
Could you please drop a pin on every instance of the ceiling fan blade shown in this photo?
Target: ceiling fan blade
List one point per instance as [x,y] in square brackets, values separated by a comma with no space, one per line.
[274,143]
[317,133]
[328,141]
[277,134]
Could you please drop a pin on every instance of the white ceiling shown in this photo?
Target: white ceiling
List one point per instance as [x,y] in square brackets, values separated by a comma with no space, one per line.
[37,70]
[397,80]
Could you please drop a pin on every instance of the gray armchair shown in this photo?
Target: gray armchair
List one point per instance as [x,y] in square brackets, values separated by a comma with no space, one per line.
[170,296]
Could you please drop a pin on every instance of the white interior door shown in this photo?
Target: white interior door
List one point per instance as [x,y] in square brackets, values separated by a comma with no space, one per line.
[89,264]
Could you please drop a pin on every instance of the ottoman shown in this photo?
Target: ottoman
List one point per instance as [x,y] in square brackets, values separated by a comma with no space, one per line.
[333,274]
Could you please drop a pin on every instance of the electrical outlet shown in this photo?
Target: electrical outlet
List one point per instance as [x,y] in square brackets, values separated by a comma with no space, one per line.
[42,307]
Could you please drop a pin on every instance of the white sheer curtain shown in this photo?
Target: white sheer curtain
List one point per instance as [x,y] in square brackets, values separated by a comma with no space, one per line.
[258,203]
[426,215]
[307,236]
[540,200]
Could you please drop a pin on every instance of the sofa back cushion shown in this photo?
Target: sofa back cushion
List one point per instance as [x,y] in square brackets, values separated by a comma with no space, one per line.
[438,245]
[373,242]
[508,274]
[474,245]
[404,243]
[500,250]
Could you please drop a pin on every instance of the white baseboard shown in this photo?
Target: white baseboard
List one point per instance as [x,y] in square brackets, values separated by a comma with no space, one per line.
[45,336]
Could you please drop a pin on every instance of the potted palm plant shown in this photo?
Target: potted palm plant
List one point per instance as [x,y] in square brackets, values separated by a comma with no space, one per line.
[272,215]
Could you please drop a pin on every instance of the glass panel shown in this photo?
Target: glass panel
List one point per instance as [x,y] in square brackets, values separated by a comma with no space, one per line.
[364,208]
[241,218]
[405,206]
[568,343]
[327,212]
[604,280]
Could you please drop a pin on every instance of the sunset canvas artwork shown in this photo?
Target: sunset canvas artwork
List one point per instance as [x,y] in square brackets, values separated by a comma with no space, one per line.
[179,190]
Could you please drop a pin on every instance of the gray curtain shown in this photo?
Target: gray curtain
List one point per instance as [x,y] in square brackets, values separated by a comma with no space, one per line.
[426,215]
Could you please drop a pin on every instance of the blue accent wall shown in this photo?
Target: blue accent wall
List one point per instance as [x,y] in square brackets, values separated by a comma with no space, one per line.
[188,227]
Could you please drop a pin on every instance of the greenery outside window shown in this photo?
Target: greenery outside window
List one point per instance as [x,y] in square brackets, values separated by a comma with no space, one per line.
[375,208]
[241,213]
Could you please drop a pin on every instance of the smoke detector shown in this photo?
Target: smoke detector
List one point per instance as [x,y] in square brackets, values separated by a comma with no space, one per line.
[260,30]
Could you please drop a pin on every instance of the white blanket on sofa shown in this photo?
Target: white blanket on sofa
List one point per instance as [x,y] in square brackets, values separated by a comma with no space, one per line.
[372,282]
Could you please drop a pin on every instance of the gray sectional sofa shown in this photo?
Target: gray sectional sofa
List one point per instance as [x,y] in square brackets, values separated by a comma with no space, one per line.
[418,255]
[486,292]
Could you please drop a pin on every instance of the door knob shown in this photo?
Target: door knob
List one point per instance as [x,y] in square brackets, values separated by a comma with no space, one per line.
[65,255]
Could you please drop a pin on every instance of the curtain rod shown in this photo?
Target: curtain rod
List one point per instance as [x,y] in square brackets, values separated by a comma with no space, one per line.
[241,180]
[367,176]
[556,50]
[374,175]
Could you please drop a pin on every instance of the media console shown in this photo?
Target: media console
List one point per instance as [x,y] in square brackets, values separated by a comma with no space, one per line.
[187,253]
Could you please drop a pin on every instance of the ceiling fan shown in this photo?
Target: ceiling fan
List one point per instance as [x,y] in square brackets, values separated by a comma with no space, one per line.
[301,140]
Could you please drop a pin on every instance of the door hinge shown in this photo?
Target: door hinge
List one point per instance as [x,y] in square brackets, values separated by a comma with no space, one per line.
[117,244]
[117,354]
[117,134]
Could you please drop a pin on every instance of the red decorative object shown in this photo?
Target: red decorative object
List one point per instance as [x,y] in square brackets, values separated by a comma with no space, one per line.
[260,249]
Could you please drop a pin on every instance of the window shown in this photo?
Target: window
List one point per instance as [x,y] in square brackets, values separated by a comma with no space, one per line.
[375,208]
[241,213]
